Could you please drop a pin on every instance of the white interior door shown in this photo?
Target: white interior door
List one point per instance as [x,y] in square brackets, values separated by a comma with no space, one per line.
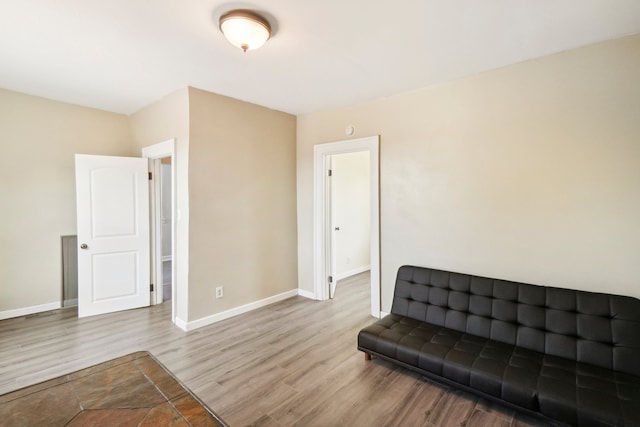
[165,212]
[112,195]
[321,222]
[333,228]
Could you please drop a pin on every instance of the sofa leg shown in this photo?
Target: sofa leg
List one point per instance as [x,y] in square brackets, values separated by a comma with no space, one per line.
[367,356]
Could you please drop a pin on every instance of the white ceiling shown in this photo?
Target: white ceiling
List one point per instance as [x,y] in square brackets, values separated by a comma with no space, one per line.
[121,55]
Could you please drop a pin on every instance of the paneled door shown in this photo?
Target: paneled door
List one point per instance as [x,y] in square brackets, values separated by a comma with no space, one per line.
[112,196]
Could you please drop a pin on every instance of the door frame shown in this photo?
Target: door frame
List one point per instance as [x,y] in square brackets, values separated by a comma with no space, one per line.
[154,153]
[321,220]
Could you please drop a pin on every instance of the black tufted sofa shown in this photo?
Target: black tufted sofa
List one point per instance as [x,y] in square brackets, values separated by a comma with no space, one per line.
[569,355]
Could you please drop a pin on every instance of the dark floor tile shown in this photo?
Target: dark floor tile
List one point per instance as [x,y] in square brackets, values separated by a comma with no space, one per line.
[122,386]
[193,411]
[133,390]
[165,382]
[109,417]
[164,415]
[107,365]
[53,406]
[32,389]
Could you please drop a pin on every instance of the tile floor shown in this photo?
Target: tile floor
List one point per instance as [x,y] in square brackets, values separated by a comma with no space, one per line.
[133,390]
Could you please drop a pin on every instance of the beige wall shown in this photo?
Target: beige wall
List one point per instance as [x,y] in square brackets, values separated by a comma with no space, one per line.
[163,120]
[235,178]
[37,184]
[242,187]
[529,173]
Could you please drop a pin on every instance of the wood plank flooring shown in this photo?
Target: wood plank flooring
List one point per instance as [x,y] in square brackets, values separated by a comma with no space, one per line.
[291,363]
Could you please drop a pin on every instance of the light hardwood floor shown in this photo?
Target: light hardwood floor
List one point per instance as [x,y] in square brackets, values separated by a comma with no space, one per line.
[292,363]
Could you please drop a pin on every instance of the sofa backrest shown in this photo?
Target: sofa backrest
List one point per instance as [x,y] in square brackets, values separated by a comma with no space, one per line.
[595,328]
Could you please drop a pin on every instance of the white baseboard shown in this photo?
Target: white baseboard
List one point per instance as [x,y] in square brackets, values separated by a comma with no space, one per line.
[353,272]
[306,294]
[181,324]
[205,321]
[185,326]
[383,314]
[8,314]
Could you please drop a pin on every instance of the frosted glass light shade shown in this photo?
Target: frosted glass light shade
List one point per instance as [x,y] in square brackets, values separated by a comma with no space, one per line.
[245,29]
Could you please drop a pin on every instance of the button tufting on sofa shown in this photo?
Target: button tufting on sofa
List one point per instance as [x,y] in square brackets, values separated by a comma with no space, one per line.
[569,355]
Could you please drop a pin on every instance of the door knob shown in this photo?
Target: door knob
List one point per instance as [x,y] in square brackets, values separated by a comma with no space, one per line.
[84,246]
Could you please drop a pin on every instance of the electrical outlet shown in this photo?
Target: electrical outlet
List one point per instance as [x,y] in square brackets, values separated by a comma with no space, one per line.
[219,293]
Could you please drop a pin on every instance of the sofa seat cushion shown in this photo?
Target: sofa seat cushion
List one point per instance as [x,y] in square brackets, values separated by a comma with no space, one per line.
[584,395]
[498,369]
[551,385]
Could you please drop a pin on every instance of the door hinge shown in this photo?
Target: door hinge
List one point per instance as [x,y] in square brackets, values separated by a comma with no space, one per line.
[329,172]
[151,287]
[150,176]
[330,279]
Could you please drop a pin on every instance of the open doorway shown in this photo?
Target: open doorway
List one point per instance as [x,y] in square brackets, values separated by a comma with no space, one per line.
[350,206]
[324,267]
[165,220]
[163,223]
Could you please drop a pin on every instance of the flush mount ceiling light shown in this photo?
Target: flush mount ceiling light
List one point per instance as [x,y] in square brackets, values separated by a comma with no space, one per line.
[245,29]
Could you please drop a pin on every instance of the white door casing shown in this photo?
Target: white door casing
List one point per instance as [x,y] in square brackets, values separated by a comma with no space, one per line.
[322,259]
[154,153]
[112,197]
